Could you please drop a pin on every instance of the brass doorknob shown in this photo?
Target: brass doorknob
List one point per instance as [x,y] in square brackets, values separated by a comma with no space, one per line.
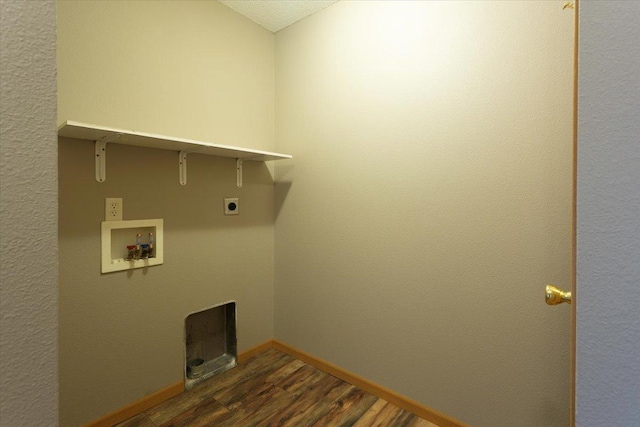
[555,295]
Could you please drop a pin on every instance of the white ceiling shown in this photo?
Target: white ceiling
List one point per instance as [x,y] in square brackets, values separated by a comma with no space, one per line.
[275,15]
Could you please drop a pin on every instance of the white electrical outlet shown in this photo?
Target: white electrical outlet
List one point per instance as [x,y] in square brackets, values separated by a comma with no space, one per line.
[113,209]
[231,206]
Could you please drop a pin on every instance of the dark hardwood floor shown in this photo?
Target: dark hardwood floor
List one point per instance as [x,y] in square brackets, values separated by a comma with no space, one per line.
[275,389]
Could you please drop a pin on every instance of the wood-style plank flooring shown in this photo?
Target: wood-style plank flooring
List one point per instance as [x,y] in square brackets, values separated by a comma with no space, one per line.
[275,389]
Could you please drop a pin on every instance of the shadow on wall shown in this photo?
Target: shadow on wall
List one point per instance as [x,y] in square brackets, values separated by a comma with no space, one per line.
[148,182]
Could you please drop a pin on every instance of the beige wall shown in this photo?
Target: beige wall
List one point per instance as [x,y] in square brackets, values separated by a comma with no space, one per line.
[194,69]
[429,200]
[427,204]
[190,69]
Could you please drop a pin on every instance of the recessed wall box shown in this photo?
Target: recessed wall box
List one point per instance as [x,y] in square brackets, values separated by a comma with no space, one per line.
[117,236]
[210,337]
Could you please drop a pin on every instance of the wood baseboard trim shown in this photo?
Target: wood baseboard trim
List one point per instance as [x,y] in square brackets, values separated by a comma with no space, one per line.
[391,396]
[249,353]
[138,406]
[160,396]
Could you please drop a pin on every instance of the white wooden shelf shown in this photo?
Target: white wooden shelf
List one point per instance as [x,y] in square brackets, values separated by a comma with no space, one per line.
[103,135]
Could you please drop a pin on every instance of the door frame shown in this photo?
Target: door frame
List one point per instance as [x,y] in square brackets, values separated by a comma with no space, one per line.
[574,210]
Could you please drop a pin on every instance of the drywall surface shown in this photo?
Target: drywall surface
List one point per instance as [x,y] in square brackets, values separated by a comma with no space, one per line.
[190,69]
[28,215]
[187,69]
[608,263]
[430,201]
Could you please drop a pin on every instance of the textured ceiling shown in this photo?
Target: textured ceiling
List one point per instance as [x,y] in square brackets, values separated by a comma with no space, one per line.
[275,15]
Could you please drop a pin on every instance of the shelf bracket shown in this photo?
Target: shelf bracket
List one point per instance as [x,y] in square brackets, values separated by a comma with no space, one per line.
[239,172]
[182,162]
[101,156]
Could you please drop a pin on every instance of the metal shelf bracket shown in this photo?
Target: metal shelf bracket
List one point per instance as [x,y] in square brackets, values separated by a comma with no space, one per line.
[182,163]
[101,156]
[239,172]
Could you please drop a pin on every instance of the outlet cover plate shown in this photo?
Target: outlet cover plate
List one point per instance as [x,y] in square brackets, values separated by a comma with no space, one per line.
[113,209]
[231,206]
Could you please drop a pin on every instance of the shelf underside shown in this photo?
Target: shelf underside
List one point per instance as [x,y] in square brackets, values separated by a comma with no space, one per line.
[71,129]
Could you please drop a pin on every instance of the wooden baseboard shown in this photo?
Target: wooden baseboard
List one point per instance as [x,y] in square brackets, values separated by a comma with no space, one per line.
[255,350]
[371,387]
[160,396]
[391,396]
[138,406]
